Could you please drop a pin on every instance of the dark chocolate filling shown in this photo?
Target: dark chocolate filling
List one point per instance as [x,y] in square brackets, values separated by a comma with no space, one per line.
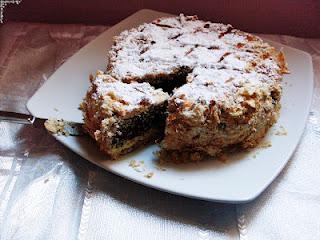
[130,128]
[171,81]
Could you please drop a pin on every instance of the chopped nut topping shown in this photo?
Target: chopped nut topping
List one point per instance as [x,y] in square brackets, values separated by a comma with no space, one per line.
[149,175]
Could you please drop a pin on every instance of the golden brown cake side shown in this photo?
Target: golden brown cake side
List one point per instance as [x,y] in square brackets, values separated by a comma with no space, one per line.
[120,116]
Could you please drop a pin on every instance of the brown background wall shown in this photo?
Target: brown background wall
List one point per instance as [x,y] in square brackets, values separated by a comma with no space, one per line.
[292,17]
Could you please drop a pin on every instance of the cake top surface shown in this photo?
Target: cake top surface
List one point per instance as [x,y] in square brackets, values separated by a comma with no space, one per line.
[223,87]
[123,97]
[170,43]
[224,62]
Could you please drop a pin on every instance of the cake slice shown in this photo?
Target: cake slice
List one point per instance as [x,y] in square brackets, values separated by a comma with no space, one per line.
[121,116]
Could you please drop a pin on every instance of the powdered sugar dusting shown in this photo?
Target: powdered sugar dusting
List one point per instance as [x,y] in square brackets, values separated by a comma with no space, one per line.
[207,85]
[168,44]
[127,97]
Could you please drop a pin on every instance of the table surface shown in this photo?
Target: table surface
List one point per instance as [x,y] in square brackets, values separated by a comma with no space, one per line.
[48,192]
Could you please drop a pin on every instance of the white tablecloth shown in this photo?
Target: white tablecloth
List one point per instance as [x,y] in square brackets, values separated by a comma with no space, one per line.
[48,192]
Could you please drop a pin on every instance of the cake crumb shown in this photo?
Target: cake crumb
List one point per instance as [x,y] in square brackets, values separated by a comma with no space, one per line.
[265,144]
[149,175]
[133,163]
[55,109]
[281,131]
[138,166]
[56,126]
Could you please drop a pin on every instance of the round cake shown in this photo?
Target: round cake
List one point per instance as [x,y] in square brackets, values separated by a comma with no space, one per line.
[224,84]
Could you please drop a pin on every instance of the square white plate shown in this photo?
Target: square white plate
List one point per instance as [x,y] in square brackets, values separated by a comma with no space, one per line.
[242,178]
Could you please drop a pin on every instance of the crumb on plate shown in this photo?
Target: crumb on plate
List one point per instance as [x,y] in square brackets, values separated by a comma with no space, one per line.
[56,126]
[281,131]
[149,175]
[265,144]
[138,166]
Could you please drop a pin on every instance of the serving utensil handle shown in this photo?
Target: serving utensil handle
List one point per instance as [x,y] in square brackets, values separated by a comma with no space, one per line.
[16,117]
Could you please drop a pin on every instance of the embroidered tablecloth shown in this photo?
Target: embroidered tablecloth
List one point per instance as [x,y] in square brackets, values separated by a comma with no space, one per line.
[48,192]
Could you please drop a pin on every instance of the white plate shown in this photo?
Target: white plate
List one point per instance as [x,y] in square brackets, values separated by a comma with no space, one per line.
[242,178]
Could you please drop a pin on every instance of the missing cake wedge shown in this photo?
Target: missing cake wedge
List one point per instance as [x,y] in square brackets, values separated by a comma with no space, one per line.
[122,117]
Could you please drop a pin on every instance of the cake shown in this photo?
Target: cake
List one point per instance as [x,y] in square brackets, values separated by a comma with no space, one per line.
[120,116]
[224,84]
